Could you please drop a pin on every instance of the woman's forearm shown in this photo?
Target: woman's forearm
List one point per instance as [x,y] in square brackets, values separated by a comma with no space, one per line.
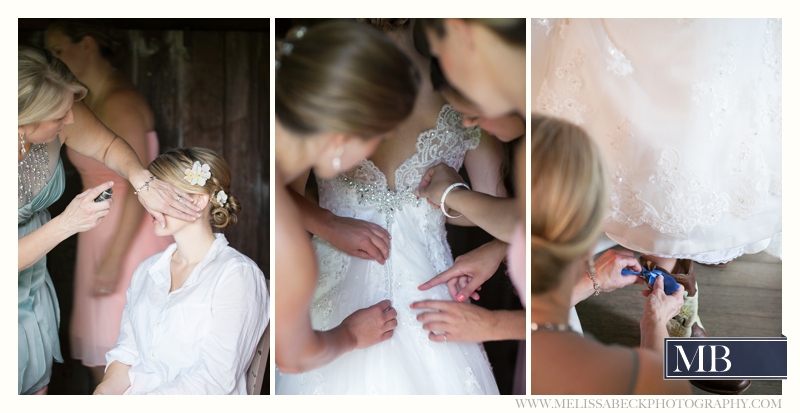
[116,379]
[90,137]
[653,333]
[122,159]
[313,217]
[321,348]
[497,216]
[583,290]
[510,325]
[32,247]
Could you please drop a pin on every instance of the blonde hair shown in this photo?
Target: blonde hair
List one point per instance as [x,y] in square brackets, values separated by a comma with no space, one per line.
[568,198]
[171,167]
[343,77]
[43,86]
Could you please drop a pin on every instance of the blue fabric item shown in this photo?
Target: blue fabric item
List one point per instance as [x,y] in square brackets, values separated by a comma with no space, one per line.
[38,311]
[670,285]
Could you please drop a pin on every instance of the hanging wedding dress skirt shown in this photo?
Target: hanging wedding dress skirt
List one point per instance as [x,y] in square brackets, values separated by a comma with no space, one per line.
[687,114]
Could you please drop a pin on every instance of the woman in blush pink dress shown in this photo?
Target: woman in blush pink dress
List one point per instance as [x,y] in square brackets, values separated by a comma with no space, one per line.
[107,255]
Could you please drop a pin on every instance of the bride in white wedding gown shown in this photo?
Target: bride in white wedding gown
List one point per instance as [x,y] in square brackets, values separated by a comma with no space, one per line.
[409,362]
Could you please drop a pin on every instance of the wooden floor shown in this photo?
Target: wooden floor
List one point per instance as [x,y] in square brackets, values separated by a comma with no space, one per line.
[742,300]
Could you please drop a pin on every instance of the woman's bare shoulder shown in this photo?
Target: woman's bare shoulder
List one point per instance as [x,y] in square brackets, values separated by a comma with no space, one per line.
[565,363]
[125,100]
[297,260]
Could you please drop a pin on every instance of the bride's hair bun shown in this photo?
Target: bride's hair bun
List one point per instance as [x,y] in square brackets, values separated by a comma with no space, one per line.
[171,167]
[223,216]
[568,198]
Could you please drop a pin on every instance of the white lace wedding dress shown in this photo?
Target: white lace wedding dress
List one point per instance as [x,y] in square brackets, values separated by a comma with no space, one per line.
[687,113]
[408,363]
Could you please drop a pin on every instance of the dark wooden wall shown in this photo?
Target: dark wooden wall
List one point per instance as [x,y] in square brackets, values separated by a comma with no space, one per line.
[207,82]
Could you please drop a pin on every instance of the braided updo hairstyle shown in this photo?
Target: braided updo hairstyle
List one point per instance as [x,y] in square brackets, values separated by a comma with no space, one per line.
[171,167]
[568,198]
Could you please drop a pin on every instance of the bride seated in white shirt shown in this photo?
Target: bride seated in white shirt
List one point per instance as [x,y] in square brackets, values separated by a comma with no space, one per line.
[195,312]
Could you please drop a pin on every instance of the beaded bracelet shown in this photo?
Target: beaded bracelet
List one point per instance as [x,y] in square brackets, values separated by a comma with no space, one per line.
[590,270]
[145,185]
[444,196]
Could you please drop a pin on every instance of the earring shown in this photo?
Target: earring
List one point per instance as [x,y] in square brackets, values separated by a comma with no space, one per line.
[337,162]
[22,143]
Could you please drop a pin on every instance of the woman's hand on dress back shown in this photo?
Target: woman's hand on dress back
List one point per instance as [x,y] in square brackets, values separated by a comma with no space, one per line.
[451,321]
[83,214]
[371,325]
[435,182]
[470,271]
[160,198]
[359,238]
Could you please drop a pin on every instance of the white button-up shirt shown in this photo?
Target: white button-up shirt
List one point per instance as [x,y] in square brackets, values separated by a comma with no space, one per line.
[200,338]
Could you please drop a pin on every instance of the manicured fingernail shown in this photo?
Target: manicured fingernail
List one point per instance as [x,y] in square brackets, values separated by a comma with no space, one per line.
[461,297]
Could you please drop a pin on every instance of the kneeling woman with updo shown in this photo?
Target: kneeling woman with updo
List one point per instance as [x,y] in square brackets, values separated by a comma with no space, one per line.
[195,312]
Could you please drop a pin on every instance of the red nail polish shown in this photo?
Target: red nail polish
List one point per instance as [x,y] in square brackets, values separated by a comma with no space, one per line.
[461,297]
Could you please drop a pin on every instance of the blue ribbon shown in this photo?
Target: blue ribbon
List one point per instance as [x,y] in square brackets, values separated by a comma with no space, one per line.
[670,285]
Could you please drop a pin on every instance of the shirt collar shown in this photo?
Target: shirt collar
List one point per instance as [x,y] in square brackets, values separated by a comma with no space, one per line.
[160,272]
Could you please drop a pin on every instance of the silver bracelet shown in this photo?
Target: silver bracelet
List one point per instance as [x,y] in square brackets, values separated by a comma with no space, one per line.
[145,185]
[444,196]
[590,270]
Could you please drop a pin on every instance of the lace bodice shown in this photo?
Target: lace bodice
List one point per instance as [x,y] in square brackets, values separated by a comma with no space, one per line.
[365,184]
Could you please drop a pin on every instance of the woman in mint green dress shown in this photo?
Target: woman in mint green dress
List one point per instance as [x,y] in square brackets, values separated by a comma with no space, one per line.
[50,115]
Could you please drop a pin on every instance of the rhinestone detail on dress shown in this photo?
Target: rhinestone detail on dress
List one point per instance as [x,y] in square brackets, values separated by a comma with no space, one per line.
[33,172]
[385,200]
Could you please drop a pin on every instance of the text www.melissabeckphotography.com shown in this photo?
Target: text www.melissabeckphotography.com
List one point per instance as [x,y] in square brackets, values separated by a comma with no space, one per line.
[648,403]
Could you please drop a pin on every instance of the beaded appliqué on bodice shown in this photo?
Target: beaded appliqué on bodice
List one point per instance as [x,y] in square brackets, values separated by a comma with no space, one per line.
[33,172]
[447,143]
